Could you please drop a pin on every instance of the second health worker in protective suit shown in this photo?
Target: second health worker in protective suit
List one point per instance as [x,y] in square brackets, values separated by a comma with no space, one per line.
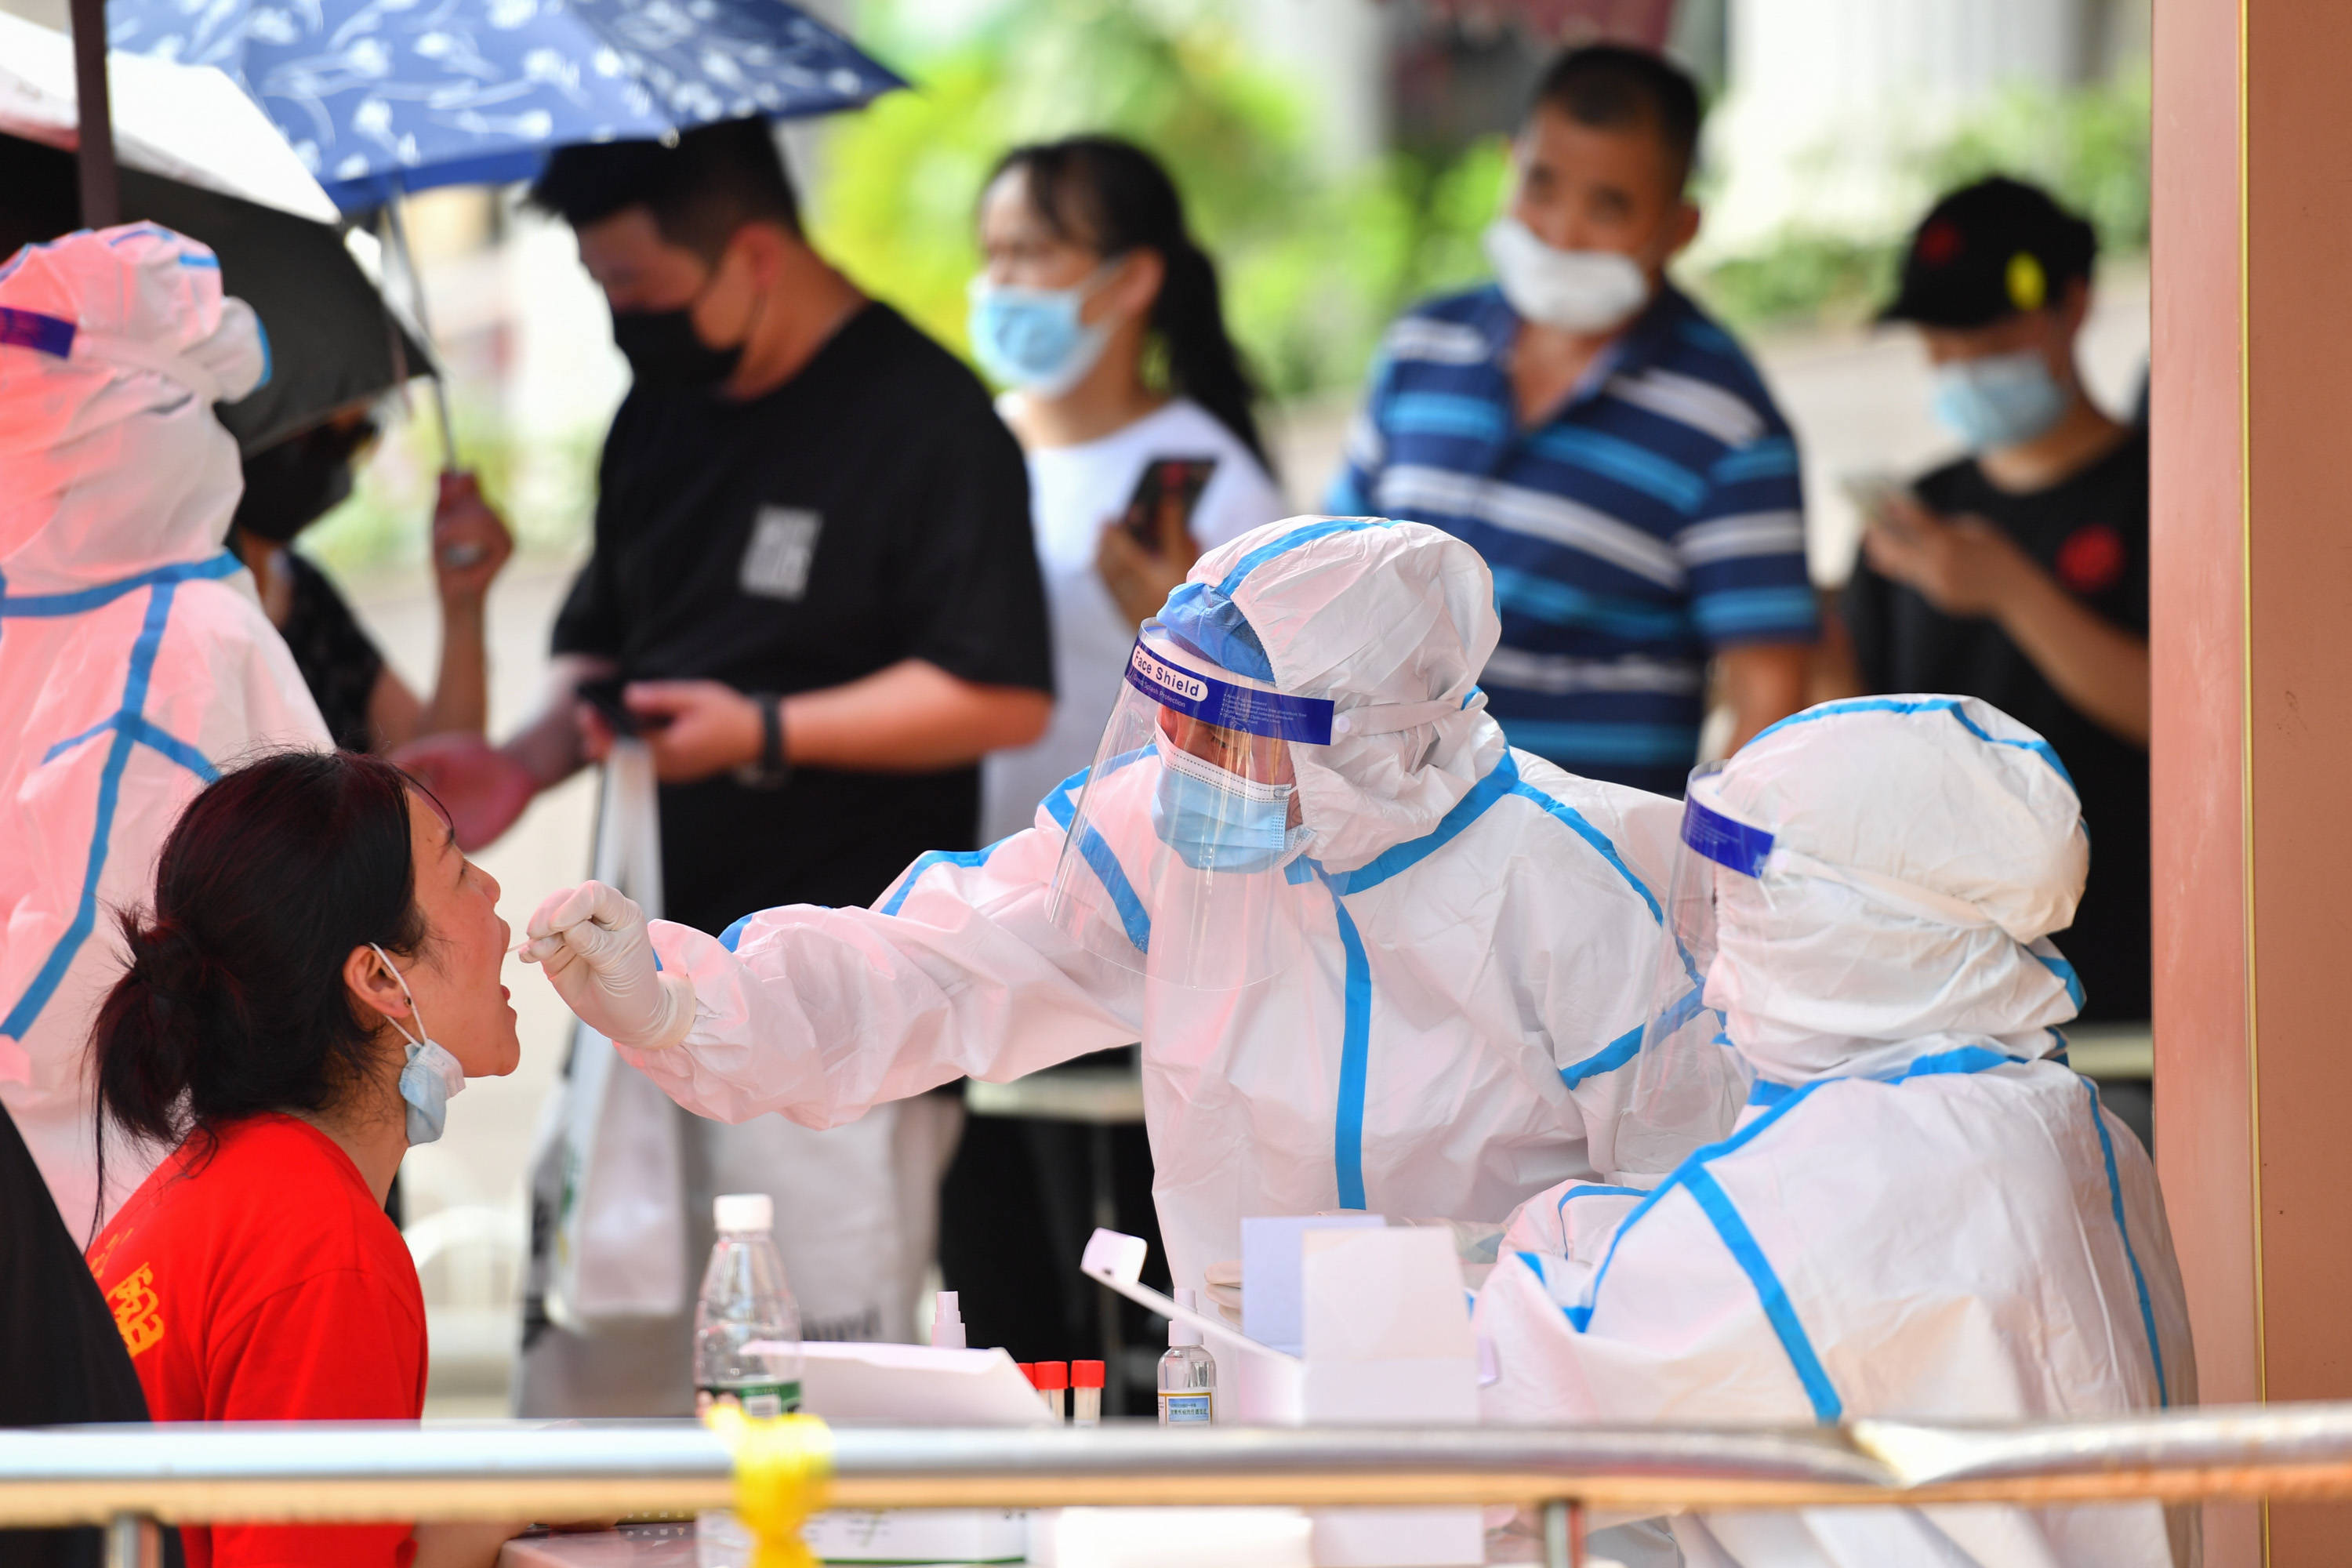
[1923,1215]
[1376,959]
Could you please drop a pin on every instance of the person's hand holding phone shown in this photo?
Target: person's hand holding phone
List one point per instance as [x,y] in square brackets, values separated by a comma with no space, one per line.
[695,728]
[1148,550]
[1962,566]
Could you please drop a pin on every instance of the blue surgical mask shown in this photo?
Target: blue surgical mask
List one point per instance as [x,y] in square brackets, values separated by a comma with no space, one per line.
[2002,400]
[430,1076]
[1218,821]
[1032,338]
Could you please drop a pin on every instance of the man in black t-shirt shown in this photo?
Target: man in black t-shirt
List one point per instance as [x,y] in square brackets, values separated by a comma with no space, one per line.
[814,586]
[2019,574]
[812,562]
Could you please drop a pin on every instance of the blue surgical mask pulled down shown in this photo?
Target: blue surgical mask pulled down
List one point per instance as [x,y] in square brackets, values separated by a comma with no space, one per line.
[1032,339]
[431,1074]
[2002,400]
[1218,821]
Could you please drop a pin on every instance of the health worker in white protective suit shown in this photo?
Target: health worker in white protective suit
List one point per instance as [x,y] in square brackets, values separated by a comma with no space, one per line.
[134,656]
[1924,1213]
[1376,959]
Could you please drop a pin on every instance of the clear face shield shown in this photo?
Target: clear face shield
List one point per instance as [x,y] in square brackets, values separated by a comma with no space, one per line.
[1688,1082]
[1181,860]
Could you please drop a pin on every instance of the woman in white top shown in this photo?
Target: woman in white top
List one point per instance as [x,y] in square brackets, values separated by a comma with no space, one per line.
[1102,316]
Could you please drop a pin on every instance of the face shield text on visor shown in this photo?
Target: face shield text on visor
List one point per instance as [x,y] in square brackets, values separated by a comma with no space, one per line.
[1183,855]
[1687,1078]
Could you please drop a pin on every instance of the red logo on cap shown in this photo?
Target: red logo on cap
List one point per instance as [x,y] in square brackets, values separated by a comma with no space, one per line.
[2092,559]
[1939,242]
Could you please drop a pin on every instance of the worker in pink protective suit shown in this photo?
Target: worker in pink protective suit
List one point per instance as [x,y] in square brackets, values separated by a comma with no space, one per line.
[135,657]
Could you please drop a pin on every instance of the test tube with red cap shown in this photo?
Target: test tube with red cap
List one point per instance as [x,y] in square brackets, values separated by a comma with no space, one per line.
[1052,1379]
[1085,1393]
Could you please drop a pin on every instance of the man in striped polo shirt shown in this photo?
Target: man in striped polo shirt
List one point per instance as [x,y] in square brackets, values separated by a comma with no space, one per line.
[1606,446]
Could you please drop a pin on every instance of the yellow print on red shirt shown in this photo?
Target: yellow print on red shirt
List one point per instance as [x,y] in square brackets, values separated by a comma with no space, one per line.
[137,1313]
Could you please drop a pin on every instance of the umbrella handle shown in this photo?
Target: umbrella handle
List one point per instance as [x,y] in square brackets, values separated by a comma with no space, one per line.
[392,210]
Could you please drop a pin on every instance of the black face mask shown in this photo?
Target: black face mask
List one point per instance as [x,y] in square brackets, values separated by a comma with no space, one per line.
[664,349]
[293,484]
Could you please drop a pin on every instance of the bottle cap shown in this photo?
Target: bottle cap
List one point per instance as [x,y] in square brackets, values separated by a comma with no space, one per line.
[1053,1375]
[1183,1333]
[738,1212]
[1086,1375]
[1029,1371]
[947,1323]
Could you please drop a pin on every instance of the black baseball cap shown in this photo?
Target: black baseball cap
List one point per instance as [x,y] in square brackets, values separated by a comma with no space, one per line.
[1987,251]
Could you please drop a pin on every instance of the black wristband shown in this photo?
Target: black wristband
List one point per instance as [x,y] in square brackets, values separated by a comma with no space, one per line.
[770,770]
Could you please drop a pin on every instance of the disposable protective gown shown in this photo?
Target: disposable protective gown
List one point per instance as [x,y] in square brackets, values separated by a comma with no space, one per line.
[135,659]
[1480,931]
[1923,1212]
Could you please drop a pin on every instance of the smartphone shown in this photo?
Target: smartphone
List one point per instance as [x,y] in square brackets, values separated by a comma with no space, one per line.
[1166,483]
[1875,494]
[604,695]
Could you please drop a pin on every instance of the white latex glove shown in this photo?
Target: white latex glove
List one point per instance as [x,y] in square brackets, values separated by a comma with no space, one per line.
[592,940]
[1224,1282]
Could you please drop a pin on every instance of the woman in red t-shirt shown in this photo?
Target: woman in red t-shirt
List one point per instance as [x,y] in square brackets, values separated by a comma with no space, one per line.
[320,973]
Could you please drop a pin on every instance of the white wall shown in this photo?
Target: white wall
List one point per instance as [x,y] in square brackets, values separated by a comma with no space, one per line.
[1825,97]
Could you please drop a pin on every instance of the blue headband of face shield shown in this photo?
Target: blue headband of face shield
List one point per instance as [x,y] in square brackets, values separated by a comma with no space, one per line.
[1727,843]
[1306,719]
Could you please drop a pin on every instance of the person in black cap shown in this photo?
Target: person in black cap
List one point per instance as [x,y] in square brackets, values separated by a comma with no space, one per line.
[2019,572]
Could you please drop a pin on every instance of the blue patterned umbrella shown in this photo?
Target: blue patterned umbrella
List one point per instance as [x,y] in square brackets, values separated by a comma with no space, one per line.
[381,96]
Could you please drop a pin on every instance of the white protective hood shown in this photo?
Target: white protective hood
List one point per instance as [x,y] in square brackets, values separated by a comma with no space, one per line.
[134,659]
[1923,849]
[1392,622]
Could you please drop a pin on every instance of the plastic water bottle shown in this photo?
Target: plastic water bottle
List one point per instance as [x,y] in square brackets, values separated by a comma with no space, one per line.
[747,1327]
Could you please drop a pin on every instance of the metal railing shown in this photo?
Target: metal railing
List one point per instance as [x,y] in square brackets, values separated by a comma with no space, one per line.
[119,1476]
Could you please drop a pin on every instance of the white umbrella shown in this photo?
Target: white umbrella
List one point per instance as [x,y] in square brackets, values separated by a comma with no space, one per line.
[190,123]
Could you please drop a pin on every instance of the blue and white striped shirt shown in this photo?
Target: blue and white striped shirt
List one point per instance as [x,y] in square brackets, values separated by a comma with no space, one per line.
[1654,519]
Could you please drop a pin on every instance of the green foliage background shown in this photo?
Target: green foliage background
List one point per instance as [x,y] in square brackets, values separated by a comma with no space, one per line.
[1312,266]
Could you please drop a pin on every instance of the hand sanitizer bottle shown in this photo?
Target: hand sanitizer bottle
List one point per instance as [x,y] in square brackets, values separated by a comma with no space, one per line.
[1188,1373]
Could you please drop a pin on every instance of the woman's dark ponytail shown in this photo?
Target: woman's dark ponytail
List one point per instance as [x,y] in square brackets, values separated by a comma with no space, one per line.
[234,1002]
[172,999]
[1113,196]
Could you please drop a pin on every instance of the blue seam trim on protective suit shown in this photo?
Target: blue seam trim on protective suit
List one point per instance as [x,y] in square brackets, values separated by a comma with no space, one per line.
[2042,749]
[1412,851]
[732,937]
[1579,1317]
[2139,1281]
[1292,541]
[1132,915]
[1717,1205]
[1960,1059]
[1594,837]
[1593,1190]
[145,733]
[52,973]
[930,858]
[1693,1003]
[224,565]
[1097,854]
[1614,1055]
[1355,1051]
[2065,972]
